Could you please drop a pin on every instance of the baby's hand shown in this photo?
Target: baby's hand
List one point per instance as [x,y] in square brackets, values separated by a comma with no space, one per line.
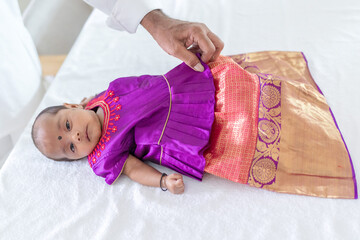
[85,101]
[174,182]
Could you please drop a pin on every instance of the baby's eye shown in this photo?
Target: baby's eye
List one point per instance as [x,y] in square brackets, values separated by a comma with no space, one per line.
[67,125]
[72,148]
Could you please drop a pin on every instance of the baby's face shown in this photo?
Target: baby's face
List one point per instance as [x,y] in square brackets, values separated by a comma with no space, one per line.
[71,133]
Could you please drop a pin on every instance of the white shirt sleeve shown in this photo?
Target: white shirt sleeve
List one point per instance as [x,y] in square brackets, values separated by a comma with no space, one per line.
[125,15]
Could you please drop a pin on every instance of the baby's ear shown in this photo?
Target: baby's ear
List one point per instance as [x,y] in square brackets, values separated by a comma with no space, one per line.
[72,105]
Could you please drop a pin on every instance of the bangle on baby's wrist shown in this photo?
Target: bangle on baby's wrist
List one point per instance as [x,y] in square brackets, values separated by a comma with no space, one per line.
[161,182]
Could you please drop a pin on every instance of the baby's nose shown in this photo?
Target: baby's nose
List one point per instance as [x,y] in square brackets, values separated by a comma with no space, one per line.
[76,136]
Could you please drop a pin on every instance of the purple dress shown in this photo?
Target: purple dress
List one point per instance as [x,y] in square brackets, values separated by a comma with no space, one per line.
[166,119]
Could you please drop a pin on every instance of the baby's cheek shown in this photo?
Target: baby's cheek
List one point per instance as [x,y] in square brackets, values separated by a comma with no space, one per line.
[90,148]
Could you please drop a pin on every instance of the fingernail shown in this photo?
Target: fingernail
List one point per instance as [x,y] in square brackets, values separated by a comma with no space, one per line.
[199,67]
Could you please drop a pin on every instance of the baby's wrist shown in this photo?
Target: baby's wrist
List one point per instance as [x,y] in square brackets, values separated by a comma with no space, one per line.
[163,185]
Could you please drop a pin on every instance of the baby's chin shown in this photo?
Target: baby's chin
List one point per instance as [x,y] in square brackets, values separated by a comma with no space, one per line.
[96,136]
[97,129]
[95,140]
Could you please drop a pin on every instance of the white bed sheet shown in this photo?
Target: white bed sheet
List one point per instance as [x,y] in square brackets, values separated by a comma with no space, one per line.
[43,199]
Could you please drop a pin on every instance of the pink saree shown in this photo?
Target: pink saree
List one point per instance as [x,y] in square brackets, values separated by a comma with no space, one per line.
[274,130]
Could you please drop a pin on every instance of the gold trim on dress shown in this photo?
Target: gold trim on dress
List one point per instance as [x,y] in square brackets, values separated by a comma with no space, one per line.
[120,171]
[167,119]
[161,154]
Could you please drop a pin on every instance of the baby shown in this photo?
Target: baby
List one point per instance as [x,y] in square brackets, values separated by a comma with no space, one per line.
[225,121]
[69,132]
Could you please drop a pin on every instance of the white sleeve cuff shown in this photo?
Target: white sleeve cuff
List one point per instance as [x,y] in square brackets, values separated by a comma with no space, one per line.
[126,15]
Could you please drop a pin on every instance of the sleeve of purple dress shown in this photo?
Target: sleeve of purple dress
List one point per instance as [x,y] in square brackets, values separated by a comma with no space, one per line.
[111,170]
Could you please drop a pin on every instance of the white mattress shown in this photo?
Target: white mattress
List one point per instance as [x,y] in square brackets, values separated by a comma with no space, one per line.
[43,199]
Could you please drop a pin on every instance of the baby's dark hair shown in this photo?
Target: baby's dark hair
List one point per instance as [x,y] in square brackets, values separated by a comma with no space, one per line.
[34,130]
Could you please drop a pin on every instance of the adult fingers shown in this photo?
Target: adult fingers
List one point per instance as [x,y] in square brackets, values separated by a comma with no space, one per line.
[219,45]
[188,58]
[209,44]
[206,45]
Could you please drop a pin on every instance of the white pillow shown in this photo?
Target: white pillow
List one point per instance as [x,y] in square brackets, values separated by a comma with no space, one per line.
[20,76]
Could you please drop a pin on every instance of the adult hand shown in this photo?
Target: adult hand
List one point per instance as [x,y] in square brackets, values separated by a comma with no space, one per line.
[182,39]
[174,183]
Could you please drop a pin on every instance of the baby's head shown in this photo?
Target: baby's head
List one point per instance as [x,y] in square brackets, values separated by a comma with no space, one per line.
[66,132]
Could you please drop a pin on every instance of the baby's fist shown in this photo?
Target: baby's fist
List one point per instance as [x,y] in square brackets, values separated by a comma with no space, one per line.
[174,182]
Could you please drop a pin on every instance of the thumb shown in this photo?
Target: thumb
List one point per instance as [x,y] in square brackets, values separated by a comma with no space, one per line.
[178,182]
[190,59]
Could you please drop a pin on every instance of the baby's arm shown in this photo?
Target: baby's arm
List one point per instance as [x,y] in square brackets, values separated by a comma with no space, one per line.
[142,173]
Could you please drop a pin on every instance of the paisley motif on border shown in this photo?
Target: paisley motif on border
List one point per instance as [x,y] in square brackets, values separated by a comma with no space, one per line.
[266,157]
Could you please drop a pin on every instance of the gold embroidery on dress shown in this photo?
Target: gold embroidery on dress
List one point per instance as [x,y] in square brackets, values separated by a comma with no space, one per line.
[263,168]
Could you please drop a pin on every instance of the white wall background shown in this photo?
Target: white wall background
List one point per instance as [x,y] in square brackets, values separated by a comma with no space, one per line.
[54,25]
